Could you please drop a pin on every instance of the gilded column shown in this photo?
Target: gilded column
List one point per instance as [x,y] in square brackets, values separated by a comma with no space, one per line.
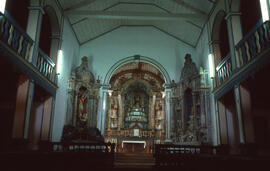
[119,112]
[75,108]
[153,113]
[167,113]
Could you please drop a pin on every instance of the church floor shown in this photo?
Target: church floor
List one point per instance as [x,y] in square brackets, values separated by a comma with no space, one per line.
[126,161]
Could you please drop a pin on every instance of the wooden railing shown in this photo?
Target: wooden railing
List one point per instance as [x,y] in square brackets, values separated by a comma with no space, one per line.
[81,147]
[204,157]
[184,149]
[250,47]
[253,44]
[224,70]
[45,65]
[17,39]
[62,156]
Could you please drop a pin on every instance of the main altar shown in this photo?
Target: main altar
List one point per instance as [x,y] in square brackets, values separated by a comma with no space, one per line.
[136,108]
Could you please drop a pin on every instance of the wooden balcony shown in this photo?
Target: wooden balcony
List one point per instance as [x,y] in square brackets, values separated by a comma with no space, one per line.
[251,54]
[19,48]
[224,70]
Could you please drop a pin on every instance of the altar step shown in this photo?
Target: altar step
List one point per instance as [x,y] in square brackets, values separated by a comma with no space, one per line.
[134,160]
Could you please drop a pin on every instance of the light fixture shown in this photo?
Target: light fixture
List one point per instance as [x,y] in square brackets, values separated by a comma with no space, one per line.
[264,10]
[211,65]
[59,62]
[2,6]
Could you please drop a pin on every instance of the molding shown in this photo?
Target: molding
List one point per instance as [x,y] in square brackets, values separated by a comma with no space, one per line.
[79,5]
[212,42]
[105,87]
[135,15]
[230,14]
[188,6]
[167,87]
[57,36]
[37,8]
[136,3]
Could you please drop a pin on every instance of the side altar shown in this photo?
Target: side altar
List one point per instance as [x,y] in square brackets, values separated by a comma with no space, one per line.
[82,105]
[191,106]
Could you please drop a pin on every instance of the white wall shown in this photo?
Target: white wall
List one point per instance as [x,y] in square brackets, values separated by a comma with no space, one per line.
[202,50]
[70,49]
[128,41]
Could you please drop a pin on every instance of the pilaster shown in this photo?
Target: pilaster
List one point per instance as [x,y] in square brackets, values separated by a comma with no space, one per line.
[239,113]
[103,109]
[34,27]
[234,34]
[30,98]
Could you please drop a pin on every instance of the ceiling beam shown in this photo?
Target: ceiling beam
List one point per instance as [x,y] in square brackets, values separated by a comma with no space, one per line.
[136,15]
[186,5]
[79,5]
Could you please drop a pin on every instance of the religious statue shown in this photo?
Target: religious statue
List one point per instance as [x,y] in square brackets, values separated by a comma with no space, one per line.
[114,115]
[158,124]
[159,118]
[82,111]
[136,102]
[114,111]
[114,123]
[159,111]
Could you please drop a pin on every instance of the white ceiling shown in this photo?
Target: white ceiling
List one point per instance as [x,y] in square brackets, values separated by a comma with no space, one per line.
[182,19]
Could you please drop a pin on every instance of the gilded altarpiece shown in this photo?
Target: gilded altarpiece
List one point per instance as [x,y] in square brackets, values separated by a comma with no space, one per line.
[191,106]
[136,106]
[82,105]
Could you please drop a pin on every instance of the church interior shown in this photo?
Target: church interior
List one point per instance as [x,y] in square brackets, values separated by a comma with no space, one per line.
[135,84]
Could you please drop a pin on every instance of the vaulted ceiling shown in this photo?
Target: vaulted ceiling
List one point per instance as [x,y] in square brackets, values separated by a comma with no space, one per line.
[182,19]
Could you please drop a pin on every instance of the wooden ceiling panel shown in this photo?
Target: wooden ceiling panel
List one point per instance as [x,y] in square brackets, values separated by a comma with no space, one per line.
[181,19]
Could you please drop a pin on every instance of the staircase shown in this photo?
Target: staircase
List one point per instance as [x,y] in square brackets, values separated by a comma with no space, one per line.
[134,160]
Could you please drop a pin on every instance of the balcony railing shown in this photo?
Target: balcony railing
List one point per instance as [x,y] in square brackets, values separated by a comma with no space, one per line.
[249,48]
[45,65]
[16,38]
[253,44]
[224,70]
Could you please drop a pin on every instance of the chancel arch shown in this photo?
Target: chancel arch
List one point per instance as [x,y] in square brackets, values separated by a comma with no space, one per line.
[137,58]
